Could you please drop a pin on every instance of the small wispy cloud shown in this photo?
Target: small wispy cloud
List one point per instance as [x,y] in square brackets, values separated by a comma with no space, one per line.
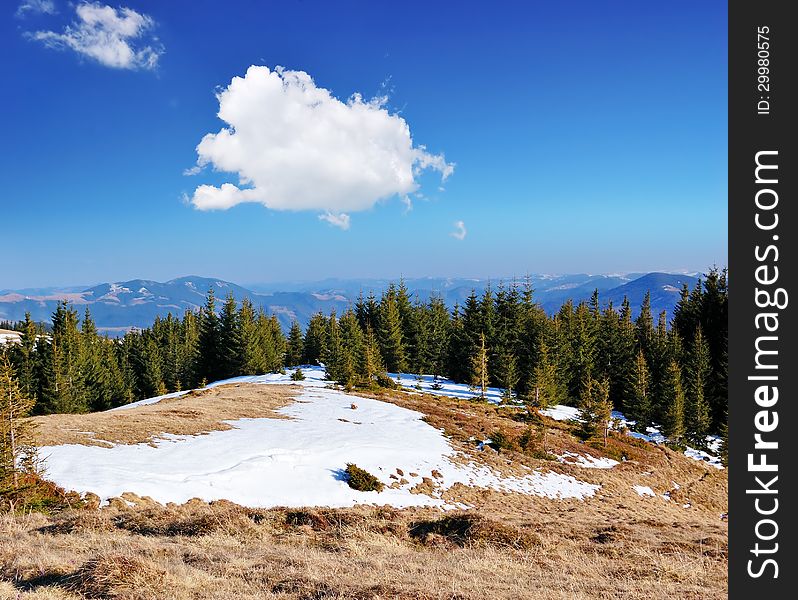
[340,220]
[460,231]
[36,7]
[117,38]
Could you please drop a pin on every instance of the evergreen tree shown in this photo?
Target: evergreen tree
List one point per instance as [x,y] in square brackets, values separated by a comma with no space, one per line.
[252,358]
[392,348]
[207,363]
[353,351]
[673,397]
[545,390]
[595,409]
[25,358]
[438,333]
[230,345]
[296,343]
[697,373]
[644,325]
[639,407]
[372,361]
[314,340]
[479,368]
[333,352]
[17,448]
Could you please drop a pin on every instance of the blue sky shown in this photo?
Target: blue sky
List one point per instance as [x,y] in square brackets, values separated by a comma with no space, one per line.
[584,137]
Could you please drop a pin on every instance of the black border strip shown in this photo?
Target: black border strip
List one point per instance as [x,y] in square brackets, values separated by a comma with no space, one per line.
[756,128]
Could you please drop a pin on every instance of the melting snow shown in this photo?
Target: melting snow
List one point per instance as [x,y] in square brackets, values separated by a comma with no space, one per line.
[587,461]
[293,462]
[644,490]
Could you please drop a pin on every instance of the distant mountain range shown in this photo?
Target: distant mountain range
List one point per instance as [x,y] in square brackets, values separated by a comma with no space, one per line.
[118,307]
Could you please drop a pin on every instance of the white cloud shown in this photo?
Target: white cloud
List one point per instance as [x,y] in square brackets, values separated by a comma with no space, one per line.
[36,7]
[459,230]
[338,220]
[294,146]
[117,38]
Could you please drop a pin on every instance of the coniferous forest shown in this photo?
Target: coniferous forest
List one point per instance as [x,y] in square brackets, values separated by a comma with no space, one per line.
[593,355]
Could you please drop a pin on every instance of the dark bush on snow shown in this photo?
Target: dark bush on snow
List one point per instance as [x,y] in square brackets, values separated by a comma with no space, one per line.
[361,480]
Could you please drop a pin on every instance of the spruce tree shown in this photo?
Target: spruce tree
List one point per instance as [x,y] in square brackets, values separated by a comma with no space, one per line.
[353,351]
[638,408]
[296,342]
[479,368]
[438,334]
[697,373]
[229,339]
[595,409]
[333,352]
[372,361]
[253,361]
[25,358]
[545,390]
[392,346]
[207,363]
[314,340]
[17,447]
[673,398]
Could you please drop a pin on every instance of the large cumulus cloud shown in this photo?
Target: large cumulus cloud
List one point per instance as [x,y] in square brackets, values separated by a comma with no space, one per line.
[294,146]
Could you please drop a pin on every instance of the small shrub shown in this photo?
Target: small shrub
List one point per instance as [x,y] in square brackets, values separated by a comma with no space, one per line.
[118,576]
[361,480]
[609,451]
[298,375]
[469,529]
[542,455]
[502,441]
[386,382]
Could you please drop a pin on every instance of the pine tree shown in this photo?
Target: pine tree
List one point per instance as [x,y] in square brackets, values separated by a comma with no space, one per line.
[372,361]
[296,342]
[392,346]
[314,340]
[595,409]
[333,352]
[639,407]
[252,359]
[545,390]
[17,448]
[25,358]
[479,368]
[229,340]
[438,334]
[673,396]
[207,362]
[697,373]
[644,325]
[353,352]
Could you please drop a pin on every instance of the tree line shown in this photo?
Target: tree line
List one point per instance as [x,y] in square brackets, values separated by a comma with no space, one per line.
[590,353]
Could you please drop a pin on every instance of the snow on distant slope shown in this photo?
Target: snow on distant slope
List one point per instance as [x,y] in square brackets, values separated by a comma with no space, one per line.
[294,462]
[444,387]
[558,412]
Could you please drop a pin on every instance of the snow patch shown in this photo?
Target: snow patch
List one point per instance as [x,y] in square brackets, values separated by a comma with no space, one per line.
[644,490]
[587,461]
[294,462]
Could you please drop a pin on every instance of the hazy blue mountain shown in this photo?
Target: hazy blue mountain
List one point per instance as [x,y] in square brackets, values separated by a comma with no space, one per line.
[117,307]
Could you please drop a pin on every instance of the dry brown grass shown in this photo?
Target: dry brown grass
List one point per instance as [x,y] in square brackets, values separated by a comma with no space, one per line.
[197,412]
[613,545]
[201,551]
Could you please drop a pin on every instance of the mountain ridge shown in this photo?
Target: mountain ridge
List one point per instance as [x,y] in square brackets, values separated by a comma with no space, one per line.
[120,306]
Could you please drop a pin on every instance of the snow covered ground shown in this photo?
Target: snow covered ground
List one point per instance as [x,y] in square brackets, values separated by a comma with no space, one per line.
[297,461]
[558,412]
[444,387]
